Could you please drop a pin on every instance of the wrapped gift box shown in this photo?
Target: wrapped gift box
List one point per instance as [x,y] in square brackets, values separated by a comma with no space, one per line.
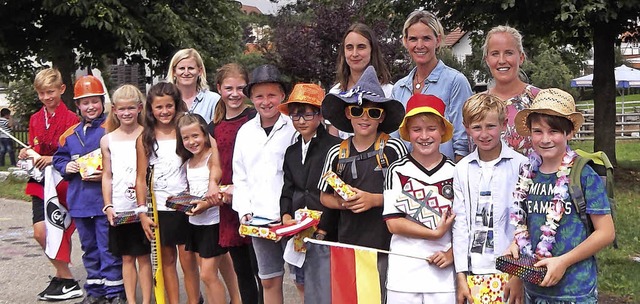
[338,185]
[522,268]
[90,163]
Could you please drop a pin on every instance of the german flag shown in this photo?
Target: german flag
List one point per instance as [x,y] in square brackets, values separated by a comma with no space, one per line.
[341,273]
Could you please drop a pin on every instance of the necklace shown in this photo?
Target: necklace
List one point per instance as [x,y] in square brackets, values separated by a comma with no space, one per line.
[555,210]
[418,84]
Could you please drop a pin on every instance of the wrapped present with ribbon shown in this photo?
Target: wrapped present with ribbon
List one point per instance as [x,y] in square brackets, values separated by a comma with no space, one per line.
[182,201]
[126,217]
[90,163]
[258,231]
[488,288]
[302,212]
[338,185]
[522,268]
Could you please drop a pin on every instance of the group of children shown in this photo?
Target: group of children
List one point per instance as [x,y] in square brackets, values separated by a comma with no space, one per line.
[275,165]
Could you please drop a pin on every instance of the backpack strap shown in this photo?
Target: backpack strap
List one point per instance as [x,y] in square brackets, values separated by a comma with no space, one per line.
[378,152]
[601,164]
[383,161]
[343,153]
[577,195]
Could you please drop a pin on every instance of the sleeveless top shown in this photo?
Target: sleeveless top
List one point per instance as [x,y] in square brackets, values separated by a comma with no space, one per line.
[168,177]
[123,169]
[198,179]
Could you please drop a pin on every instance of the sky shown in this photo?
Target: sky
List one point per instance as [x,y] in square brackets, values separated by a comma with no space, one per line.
[266,6]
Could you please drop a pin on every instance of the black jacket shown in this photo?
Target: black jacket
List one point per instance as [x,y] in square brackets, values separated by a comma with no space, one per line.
[301,180]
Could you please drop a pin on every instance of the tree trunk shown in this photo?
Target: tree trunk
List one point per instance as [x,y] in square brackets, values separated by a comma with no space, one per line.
[604,88]
[64,62]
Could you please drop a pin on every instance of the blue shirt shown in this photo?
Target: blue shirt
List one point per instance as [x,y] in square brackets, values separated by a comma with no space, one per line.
[454,89]
[84,198]
[580,279]
[205,104]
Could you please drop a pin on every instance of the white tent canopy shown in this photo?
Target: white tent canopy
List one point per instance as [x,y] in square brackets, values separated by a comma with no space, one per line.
[626,77]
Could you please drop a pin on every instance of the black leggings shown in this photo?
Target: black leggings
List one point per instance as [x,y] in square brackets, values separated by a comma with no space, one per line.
[246,267]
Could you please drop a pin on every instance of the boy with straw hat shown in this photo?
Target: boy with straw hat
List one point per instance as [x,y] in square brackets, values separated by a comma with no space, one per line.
[548,225]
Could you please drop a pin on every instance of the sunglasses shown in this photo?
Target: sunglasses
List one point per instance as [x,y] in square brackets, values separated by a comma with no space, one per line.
[358,111]
[306,116]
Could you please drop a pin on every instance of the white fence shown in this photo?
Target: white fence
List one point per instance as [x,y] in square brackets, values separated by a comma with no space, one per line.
[627,121]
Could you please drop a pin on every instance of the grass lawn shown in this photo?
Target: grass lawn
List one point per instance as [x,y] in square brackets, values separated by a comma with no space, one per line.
[618,274]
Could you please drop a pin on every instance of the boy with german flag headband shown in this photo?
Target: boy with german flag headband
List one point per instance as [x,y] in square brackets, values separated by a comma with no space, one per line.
[361,161]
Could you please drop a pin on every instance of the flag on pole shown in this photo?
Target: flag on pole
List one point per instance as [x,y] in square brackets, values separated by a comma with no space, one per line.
[59,225]
[341,273]
[354,276]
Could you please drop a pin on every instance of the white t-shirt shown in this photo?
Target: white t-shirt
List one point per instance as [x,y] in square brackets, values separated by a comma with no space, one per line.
[168,176]
[198,179]
[407,178]
[123,169]
[481,237]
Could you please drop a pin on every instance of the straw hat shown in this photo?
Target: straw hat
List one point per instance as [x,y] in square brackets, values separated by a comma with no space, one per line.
[420,103]
[366,89]
[554,102]
[306,93]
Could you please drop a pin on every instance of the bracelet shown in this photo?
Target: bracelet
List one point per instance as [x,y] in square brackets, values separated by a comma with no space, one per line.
[141,209]
[104,209]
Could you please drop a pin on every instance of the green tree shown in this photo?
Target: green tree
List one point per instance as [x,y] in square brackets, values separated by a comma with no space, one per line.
[582,24]
[23,99]
[88,33]
[548,70]
[306,35]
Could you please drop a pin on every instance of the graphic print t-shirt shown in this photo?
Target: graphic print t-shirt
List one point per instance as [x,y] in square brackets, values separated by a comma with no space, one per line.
[580,278]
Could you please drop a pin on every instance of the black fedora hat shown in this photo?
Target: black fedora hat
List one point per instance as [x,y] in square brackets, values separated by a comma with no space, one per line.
[366,89]
[264,74]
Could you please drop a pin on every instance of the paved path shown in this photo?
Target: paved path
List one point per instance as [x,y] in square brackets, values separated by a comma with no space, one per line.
[24,269]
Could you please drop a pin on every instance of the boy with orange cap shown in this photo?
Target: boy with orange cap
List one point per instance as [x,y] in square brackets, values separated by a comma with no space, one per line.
[45,128]
[84,196]
[303,163]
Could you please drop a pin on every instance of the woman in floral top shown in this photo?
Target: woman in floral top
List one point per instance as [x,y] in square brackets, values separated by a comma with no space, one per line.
[504,55]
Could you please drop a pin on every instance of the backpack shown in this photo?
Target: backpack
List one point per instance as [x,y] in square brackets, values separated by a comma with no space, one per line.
[378,152]
[603,167]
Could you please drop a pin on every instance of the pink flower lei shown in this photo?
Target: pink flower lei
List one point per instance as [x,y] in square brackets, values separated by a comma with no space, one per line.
[555,209]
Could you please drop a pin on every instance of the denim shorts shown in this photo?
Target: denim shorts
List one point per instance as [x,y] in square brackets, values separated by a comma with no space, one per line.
[269,255]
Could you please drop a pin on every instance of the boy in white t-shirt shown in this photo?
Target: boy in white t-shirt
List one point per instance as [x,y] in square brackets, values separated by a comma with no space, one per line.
[483,183]
[425,178]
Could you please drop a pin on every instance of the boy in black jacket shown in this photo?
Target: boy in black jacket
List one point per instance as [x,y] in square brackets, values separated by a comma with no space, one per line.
[303,162]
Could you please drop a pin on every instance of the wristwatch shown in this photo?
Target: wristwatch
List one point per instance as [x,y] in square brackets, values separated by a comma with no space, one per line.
[319,236]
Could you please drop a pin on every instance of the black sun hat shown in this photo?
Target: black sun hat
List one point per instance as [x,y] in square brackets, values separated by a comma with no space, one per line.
[366,89]
[264,74]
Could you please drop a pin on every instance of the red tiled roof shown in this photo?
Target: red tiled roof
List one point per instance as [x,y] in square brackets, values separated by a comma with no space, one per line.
[453,37]
[249,9]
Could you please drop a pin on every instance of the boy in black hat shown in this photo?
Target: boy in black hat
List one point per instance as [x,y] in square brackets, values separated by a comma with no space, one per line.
[257,172]
[361,161]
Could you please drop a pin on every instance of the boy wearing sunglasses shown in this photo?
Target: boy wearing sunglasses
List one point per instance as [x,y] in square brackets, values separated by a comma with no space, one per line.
[361,161]
[303,164]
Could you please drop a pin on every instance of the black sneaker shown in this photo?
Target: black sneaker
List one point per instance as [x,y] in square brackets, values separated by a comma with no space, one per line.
[65,289]
[53,283]
[93,300]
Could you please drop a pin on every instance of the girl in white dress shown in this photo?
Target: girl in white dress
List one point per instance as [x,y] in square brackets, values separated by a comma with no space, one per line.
[118,179]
